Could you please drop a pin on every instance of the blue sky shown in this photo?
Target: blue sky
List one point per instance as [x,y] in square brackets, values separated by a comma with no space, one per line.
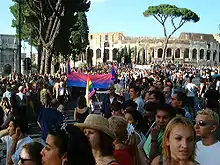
[127,16]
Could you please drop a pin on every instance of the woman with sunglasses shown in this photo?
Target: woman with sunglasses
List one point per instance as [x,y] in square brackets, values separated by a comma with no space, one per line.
[67,146]
[30,154]
[179,144]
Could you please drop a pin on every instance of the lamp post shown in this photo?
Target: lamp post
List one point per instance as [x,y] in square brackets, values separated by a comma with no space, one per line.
[19,34]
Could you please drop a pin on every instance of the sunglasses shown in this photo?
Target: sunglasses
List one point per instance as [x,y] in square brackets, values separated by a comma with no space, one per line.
[23,160]
[202,123]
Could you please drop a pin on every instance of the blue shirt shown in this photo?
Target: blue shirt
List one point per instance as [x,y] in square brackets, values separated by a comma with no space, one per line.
[49,118]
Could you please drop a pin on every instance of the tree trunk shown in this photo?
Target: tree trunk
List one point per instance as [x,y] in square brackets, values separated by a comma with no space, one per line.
[40,51]
[164,50]
[42,64]
[48,58]
[53,63]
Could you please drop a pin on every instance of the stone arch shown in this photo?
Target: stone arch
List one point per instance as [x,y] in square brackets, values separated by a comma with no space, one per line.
[177,53]
[114,53]
[194,54]
[169,52]
[98,53]
[106,55]
[214,55]
[160,53]
[201,54]
[186,53]
[89,57]
[208,54]
[7,69]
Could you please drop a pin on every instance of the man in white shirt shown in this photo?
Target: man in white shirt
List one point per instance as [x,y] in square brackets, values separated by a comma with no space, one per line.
[208,149]
[15,137]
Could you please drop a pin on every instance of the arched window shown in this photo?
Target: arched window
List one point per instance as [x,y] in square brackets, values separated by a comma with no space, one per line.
[160,53]
[186,53]
[194,55]
[177,53]
[169,52]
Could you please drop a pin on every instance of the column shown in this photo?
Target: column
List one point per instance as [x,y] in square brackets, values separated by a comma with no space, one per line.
[198,56]
[217,57]
[190,54]
[155,53]
[110,54]
[181,53]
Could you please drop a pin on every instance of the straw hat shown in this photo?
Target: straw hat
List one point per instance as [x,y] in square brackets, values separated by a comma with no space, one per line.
[97,122]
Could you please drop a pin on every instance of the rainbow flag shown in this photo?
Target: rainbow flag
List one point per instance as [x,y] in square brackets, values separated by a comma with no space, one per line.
[90,91]
[101,81]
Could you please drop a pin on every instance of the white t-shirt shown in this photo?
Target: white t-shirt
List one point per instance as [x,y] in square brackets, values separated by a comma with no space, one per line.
[208,155]
[8,140]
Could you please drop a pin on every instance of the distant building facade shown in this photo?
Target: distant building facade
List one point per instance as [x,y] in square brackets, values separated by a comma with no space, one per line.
[192,48]
[8,53]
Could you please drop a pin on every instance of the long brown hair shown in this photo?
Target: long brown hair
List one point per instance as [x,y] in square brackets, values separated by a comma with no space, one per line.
[174,122]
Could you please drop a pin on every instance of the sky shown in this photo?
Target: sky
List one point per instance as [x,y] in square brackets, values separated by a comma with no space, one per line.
[127,16]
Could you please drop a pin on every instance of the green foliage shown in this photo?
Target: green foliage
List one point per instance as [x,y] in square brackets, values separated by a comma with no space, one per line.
[79,37]
[163,11]
[53,21]
[28,32]
[177,17]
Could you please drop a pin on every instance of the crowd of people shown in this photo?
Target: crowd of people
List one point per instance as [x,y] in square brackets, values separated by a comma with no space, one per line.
[152,116]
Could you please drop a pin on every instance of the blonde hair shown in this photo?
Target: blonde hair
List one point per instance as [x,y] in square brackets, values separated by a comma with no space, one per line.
[213,116]
[118,125]
[174,122]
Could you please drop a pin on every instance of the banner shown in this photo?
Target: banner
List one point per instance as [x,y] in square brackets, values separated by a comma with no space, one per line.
[100,81]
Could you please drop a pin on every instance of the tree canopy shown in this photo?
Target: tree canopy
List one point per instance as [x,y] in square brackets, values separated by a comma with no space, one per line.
[79,38]
[53,21]
[177,17]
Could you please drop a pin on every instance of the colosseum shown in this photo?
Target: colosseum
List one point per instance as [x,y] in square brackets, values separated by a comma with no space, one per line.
[192,48]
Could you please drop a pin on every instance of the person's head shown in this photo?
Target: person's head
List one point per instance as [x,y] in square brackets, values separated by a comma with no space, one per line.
[159,84]
[17,124]
[178,100]
[30,154]
[149,111]
[157,97]
[151,89]
[54,103]
[119,126]
[163,115]
[81,102]
[116,108]
[67,145]
[45,85]
[101,138]
[134,92]
[167,92]
[20,89]
[207,122]
[111,89]
[129,105]
[179,141]
[135,118]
